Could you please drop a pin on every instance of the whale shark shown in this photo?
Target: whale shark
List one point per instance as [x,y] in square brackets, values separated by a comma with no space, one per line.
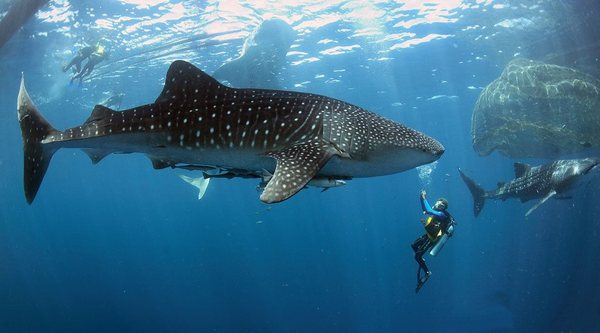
[197,122]
[543,182]
[262,58]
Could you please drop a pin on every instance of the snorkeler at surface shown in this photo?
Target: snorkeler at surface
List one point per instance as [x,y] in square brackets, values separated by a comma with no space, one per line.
[82,54]
[100,53]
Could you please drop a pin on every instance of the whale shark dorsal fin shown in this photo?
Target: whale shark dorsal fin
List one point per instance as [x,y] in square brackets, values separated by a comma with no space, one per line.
[185,83]
[544,199]
[521,169]
[100,115]
[296,166]
[201,183]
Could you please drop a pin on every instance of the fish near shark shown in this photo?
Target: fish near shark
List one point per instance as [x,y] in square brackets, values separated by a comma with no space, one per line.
[196,122]
[542,182]
[201,183]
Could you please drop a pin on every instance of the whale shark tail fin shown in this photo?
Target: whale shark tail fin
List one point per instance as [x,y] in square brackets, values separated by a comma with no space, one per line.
[477,192]
[34,130]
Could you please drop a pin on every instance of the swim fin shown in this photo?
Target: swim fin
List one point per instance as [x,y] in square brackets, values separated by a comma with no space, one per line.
[421,282]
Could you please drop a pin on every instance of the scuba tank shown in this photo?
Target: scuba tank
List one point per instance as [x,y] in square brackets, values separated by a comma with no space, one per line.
[440,243]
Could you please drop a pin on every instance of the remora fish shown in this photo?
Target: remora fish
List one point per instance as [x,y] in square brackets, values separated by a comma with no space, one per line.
[542,181]
[202,182]
[200,122]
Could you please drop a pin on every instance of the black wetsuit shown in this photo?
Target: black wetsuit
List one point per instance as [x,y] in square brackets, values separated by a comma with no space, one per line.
[436,225]
[94,59]
[81,55]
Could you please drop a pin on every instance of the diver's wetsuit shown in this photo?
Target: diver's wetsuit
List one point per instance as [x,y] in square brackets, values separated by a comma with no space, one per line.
[94,59]
[437,224]
[81,55]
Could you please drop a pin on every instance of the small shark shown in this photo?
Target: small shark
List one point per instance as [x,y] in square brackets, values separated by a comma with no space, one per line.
[199,123]
[534,182]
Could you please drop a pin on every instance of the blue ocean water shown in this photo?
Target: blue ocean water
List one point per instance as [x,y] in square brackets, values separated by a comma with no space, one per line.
[121,247]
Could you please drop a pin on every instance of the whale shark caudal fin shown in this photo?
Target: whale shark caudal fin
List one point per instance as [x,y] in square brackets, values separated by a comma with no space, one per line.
[34,130]
[477,192]
[201,183]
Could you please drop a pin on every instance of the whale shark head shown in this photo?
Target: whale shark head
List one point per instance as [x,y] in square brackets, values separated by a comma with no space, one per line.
[397,147]
[377,145]
[568,172]
[577,167]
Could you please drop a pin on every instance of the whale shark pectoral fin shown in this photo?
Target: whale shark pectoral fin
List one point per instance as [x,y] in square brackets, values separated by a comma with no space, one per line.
[296,166]
[201,183]
[548,196]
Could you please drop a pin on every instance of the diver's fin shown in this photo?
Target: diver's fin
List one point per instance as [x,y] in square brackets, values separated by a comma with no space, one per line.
[34,130]
[421,282]
[477,192]
[548,196]
[521,169]
[296,166]
[201,183]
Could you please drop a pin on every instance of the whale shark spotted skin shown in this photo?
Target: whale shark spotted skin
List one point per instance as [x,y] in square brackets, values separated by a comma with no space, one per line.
[534,182]
[196,122]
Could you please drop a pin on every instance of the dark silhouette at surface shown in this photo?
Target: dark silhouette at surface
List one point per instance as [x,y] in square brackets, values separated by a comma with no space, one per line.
[262,58]
[17,15]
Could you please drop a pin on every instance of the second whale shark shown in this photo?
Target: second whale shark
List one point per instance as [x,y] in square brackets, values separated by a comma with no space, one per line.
[543,182]
[196,122]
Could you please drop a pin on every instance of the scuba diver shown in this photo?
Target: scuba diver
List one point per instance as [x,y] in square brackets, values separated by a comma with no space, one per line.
[439,225]
[82,54]
[100,53]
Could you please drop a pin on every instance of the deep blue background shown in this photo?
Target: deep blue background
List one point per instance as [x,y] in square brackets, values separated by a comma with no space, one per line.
[122,247]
